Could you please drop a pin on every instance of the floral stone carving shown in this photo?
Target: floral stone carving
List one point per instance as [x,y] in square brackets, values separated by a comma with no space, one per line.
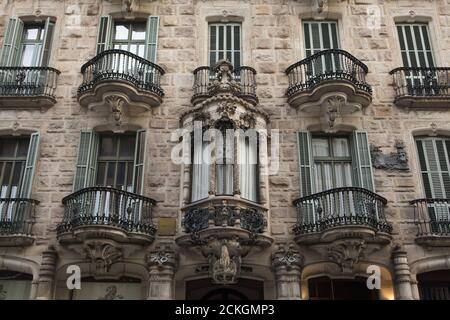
[394,161]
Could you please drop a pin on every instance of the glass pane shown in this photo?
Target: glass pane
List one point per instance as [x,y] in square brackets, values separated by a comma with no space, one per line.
[31,33]
[334,35]
[129,182]
[121,32]
[228,35]
[326,36]
[17,174]
[418,38]
[7,148]
[320,147]
[425,38]
[400,35]
[5,181]
[133,48]
[237,38]
[307,39]
[108,146]
[127,146]
[409,38]
[141,50]
[341,147]
[121,170]
[27,55]
[101,174]
[212,44]
[138,32]
[110,174]
[316,36]
[221,33]
[23,148]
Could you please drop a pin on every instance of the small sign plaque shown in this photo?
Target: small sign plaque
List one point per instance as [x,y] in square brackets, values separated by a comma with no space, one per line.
[167,226]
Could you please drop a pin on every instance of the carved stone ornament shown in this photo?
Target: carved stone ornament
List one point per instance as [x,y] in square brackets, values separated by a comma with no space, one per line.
[225,83]
[346,253]
[288,256]
[162,256]
[102,255]
[247,120]
[224,257]
[394,161]
[320,5]
[226,109]
[334,109]
[116,105]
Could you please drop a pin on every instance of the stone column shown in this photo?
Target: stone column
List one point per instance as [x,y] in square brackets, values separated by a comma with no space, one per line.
[263,166]
[162,263]
[47,273]
[287,263]
[402,275]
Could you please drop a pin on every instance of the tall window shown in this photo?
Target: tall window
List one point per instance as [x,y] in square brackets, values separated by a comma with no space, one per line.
[116,161]
[415,45]
[111,160]
[17,162]
[138,37]
[225,160]
[225,43]
[332,162]
[27,44]
[328,162]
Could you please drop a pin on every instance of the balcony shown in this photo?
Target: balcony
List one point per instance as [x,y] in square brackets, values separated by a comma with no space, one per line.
[422,87]
[342,212]
[27,87]
[205,77]
[16,221]
[224,217]
[118,73]
[432,218]
[107,213]
[318,79]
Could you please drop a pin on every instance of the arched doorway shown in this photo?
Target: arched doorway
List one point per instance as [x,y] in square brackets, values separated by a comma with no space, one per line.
[325,288]
[434,285]
[15,285]
[204,289]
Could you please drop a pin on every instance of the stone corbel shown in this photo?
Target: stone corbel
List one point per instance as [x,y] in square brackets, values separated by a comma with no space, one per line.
[102,256]
[116,104]
[346,254]
[394,161]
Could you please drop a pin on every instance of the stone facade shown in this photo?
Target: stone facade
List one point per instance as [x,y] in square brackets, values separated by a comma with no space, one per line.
[272,39]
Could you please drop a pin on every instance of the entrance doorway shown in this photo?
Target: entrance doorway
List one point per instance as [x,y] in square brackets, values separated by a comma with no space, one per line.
[434,285]
[245,289]
[324,288]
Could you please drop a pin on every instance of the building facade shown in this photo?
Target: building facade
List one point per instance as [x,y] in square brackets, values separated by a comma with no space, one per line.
[334,179]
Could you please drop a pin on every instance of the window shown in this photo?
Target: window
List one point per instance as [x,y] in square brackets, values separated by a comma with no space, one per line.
[225,43]
[111,160]
[415,45]
[17,162]
[332,162]
[138,37]
[328,162]
[225,160]
[27,44]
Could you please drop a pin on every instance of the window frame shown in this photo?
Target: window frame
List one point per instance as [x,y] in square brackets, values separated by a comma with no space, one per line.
[415,50]
[217,51]
[129,40]
[16,159]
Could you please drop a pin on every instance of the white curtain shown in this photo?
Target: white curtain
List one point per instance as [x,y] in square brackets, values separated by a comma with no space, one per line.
[248,161]
[200,173]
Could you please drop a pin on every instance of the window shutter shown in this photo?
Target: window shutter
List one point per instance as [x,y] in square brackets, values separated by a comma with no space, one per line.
[47,43]
[30,164]
[11,42]
[151,41]
[87,160]
[139,161]
[362,163]
[306,163]
[104,33]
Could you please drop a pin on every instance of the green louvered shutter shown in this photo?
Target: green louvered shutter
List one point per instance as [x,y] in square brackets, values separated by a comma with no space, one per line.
[139,161]
[30,165]
[361,161]
[104,33]
[11,42]
[86,160]
[306,163]
[151,41]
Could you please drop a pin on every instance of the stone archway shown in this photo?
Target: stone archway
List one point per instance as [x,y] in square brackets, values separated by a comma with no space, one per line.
[244,289]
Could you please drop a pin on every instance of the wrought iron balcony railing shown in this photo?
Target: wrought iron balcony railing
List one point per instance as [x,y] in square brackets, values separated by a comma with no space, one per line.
[432,217]
[16,216]
[341,207]
[205,75]
[419,83]
[104,206]
[199,218]
[326,65]
[28,82]
[120,65]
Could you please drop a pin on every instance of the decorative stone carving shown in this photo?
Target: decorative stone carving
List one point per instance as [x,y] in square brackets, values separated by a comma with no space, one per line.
[224,215]
[102,255]
[247,120]
[394,161]
[162,256]
[116,105]
[288,256]
[47,273]
[224,84]
[162,263]
[226,109]
[225,257]
[334,108]
[3,293]
[346,253]
[433,130]
[111,294]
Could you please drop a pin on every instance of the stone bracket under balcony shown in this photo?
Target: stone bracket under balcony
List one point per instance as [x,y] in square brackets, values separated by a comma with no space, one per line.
[16,221]
[432,218]
[103,213]
[342,213]
[120,76]
[421,87]
[329,82]
[28,87]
